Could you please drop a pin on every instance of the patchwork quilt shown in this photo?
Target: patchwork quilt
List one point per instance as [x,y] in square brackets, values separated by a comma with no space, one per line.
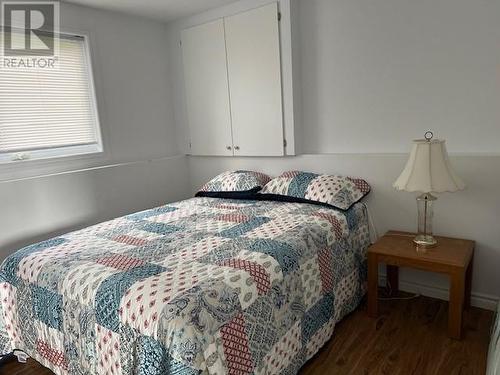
[202,286]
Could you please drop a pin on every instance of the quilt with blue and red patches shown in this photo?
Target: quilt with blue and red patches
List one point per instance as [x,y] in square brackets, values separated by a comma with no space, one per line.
[203,286]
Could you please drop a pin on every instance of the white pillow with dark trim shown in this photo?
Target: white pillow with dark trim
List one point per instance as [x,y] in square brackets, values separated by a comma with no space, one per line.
[333,190]
[236,181]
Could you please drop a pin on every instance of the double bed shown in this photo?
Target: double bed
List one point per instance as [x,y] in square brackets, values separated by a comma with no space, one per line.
[202,286]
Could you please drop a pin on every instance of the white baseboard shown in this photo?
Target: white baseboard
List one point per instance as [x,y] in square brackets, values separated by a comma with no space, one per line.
[483,301]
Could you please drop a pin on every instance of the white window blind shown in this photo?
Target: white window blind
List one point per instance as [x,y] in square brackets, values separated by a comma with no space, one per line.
[49,112]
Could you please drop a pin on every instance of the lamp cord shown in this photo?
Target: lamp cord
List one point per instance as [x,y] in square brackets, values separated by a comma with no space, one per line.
[389,288]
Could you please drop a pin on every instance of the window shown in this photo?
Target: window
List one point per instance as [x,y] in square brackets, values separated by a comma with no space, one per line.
[49,112]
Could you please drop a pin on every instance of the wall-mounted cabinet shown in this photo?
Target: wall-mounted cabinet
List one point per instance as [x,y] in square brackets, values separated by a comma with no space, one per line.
[233,84]
[207,95]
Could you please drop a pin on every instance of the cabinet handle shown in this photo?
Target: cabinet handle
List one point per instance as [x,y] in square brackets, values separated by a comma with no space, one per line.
[236,148]
[228,147]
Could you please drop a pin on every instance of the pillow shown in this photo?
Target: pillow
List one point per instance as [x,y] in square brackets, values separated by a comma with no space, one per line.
[234,183]
[337,191]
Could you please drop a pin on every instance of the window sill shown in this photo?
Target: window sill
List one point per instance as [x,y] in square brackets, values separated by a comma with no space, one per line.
[31,168]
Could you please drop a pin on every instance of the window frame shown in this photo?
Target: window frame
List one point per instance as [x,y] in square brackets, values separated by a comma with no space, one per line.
[16,159]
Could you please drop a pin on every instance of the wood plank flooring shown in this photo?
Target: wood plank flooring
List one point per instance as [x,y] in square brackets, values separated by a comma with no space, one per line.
[409,337]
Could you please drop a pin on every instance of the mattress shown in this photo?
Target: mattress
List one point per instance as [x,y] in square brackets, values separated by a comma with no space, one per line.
[494,352]
[206,285]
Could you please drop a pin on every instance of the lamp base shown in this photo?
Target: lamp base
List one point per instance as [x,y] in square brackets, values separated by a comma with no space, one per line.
[425,241]
[424,238]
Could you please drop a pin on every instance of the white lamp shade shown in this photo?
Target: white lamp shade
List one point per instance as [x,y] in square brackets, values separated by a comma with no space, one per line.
[428,169]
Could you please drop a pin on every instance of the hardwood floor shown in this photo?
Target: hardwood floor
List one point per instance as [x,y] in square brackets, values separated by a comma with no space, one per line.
[409,337]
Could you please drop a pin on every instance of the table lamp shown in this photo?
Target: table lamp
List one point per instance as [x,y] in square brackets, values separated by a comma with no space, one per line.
[428,170]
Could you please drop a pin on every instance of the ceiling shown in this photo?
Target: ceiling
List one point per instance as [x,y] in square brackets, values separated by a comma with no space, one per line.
[163,10]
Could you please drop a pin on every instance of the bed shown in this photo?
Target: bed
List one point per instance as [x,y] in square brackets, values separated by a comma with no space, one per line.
[206,285]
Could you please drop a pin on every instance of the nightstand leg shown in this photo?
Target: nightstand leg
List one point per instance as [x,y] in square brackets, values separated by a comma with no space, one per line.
[372,284]
[456,304]
[393,279]
[468,283]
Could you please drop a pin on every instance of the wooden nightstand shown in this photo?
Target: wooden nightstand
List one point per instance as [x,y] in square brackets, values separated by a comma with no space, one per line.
[451,256]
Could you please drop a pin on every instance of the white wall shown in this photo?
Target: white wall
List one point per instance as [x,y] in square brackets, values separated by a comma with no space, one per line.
[140,169]
[377,74]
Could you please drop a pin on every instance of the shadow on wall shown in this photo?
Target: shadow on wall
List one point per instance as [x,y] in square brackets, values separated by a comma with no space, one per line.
[40,208]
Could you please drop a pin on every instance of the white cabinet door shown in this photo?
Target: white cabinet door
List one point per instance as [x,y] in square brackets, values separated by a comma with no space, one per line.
[254,70]
[207,96]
